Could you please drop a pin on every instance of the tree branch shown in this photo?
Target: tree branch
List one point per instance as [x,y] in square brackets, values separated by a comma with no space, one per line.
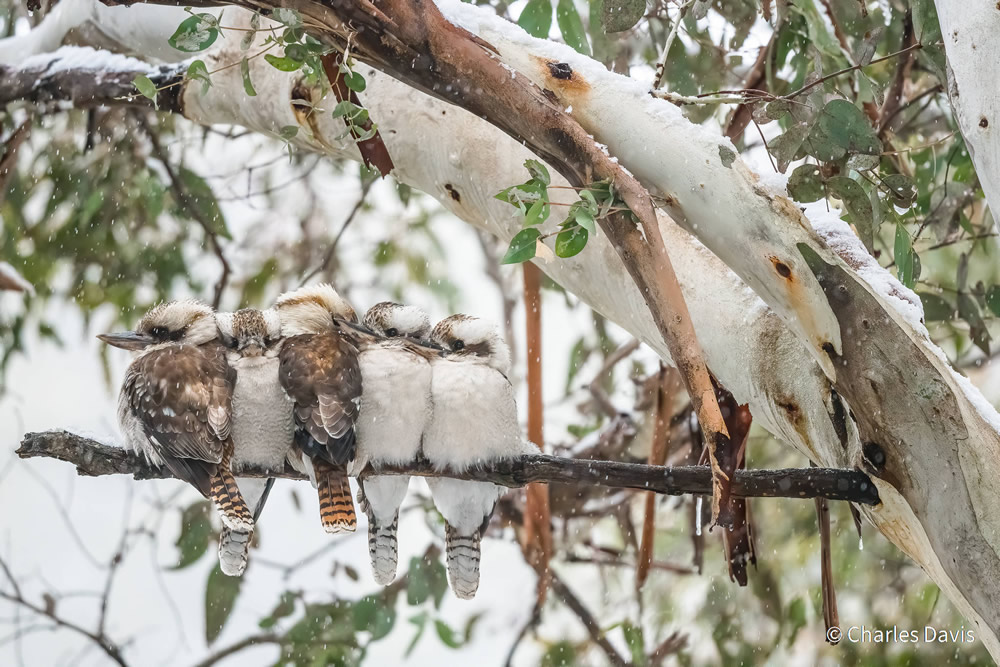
[93,459]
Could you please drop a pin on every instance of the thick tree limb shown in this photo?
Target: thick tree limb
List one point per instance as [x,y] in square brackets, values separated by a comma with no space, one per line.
[970,30]
[93,459]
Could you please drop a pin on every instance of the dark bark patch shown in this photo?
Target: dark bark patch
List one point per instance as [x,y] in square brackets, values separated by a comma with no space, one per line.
[453,192]
[560,71]
[983,123]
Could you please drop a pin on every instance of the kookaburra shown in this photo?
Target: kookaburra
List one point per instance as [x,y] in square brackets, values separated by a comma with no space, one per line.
[176,401]
[318,369]
[394,413]
[262,424]
[474,421]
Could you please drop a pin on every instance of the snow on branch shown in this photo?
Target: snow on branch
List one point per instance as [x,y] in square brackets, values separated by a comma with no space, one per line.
[93,459]
[87,77]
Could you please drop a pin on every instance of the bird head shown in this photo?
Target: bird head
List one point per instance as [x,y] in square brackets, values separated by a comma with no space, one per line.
[394,320]
[174,322]
[250,332]
[466,337]
[312,309]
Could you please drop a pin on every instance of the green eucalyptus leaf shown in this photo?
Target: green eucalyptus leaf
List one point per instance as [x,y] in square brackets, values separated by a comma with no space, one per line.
[245,73]
[805,184]
[522,246]
[937,308]
[571,241]
[536,18]
[355,81]
[842,128]
[198,71]
[858,205]
[901,188]
[621,15]
[145,87]
[571,26]
[195,33]
[787,147]
[537,213]
[993,299]
[221,592]
[283,64]
[538,171]
[196,533]
[968,310]
[903,255]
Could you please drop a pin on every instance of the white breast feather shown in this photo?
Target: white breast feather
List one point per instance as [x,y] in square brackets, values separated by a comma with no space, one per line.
[474,418]
[262,424]
[395,406]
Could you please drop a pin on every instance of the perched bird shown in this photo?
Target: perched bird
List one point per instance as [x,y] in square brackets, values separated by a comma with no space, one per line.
[318,369]
[262,423]
[474,421]
[175,404]
[394,412]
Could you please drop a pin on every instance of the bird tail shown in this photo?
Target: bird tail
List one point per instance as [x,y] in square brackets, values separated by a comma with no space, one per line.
[463,562]
[234,551]
[234,546]
[382,543]
[225,493]
[336,506]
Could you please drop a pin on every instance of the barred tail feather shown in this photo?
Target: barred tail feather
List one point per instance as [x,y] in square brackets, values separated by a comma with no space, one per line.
[463,562]
[382,548]
[336,506]
[225,493]
[234,551]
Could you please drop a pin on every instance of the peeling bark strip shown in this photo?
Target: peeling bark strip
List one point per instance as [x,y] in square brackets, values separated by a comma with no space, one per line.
[373,151]
[738,540]
[92,459]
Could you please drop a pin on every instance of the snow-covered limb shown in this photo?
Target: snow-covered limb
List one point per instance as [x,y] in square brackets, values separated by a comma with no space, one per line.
[927,433]
[969,31]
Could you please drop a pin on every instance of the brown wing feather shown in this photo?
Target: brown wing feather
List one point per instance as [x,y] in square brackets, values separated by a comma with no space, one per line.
[182,395]
[320,373]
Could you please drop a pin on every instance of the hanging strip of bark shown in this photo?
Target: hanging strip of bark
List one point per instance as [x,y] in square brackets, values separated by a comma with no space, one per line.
[830,617]
[537,532]
[738,540]
[373,150]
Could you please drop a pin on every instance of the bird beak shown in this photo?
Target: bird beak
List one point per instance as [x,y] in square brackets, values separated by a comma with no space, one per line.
[358,333]
[254,347]
[127,340]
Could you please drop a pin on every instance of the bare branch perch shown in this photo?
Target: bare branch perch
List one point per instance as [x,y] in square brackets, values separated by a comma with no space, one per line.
[92,459]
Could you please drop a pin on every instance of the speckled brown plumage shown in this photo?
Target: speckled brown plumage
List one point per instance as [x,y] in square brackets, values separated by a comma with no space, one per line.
[182,395]
[320,373]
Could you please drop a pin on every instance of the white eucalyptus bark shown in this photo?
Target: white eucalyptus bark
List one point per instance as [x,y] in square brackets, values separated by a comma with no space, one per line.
[948,461]
[971,33]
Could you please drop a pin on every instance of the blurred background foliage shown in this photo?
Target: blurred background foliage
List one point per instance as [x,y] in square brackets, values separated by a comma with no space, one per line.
[112,210]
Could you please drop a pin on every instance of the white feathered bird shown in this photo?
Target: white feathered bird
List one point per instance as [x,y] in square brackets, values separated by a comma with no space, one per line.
[263,425]
[395,409]
[473,422]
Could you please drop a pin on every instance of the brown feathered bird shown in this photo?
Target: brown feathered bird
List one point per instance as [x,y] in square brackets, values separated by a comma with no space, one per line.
[318,369]
[175,405]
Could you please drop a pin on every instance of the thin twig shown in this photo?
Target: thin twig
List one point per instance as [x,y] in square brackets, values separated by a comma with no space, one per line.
[184,198]
[246,642]
[332,250]
[822,79]
[589,622]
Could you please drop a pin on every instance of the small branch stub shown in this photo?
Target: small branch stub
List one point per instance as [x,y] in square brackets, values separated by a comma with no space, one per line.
[93,459]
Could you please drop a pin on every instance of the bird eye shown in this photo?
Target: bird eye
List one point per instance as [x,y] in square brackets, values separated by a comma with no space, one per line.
[159,332]
[458,345]
[392,332]
[232,343]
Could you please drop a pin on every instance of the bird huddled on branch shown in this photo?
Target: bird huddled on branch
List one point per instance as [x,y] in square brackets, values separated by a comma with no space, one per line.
[209,395]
